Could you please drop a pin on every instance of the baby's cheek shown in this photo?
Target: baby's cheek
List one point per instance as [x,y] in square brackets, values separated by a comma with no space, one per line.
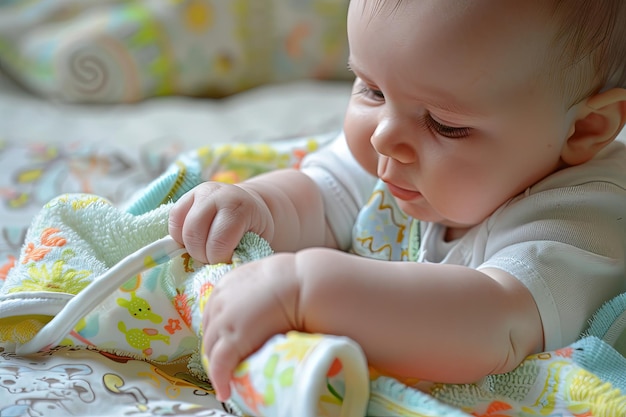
[364,153]
[471,205]
[358,129]
[369,163]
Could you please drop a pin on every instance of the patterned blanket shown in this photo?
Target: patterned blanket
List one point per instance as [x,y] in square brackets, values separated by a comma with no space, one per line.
[84,266]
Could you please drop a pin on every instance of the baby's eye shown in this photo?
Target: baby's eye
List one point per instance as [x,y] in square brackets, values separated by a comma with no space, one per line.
[447,131]
[371,93]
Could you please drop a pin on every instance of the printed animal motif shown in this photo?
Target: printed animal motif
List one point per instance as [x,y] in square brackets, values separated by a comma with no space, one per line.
[48,390]
[141,338]
[115,384]
[31,407]
[139,308]
[174,383]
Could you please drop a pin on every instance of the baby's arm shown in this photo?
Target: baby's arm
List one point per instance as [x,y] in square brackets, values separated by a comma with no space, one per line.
[435,322]
[285,207]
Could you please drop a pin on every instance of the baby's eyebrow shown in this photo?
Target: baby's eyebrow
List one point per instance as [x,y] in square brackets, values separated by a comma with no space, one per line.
[449,105]
[447,102]
[350,65]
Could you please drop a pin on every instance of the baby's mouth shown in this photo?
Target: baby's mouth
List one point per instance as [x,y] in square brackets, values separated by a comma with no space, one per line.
[402,193]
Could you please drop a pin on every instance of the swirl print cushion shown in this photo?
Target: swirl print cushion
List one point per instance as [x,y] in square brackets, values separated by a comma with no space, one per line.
[113,51]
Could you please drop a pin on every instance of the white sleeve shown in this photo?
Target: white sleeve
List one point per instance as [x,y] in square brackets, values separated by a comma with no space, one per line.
[344,184]
[568,247]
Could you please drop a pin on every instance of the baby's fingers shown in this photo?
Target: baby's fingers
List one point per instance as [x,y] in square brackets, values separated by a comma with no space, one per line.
[209,221]
[177,216]
[189,224]
[222,360]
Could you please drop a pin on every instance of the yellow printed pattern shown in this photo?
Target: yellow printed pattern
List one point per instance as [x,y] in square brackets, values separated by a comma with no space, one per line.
[382,231]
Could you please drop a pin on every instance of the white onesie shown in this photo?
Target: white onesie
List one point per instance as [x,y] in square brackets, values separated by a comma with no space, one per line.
[564,237]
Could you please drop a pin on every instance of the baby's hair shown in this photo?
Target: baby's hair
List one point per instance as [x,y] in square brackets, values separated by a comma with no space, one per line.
[591,38]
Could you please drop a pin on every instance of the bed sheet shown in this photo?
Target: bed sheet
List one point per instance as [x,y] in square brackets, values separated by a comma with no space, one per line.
[69,382]
[49,148]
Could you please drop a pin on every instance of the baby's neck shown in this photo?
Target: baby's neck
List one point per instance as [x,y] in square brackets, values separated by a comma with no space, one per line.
[454,233]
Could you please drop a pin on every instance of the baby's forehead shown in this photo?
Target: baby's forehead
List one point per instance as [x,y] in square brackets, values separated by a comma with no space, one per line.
[457,26]
[478,15]
[580,51]
[473,57]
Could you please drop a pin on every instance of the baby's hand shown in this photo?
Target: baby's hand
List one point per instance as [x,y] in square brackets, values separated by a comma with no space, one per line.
[211,219]
[250,304]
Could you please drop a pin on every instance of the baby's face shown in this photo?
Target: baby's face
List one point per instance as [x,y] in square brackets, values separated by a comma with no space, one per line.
[452,106]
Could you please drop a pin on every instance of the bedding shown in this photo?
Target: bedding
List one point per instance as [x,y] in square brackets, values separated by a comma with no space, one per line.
[114,51]
[113,151]
[47,148]
[129,159]
[84,276]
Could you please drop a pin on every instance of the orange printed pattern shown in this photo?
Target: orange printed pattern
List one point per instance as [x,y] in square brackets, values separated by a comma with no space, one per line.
[4,269]
[34,253]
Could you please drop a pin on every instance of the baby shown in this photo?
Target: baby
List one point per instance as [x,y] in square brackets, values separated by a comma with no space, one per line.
[472,213]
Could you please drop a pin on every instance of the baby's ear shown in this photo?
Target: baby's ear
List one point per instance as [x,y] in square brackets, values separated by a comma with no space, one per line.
[600,119]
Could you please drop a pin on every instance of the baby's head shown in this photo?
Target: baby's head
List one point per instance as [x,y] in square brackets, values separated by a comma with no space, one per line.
[460,105]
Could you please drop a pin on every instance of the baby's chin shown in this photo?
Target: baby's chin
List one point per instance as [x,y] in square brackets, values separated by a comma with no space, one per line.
[427,213]
[422,210]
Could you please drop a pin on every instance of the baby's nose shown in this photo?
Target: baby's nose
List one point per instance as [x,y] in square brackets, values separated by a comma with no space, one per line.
[395,139]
